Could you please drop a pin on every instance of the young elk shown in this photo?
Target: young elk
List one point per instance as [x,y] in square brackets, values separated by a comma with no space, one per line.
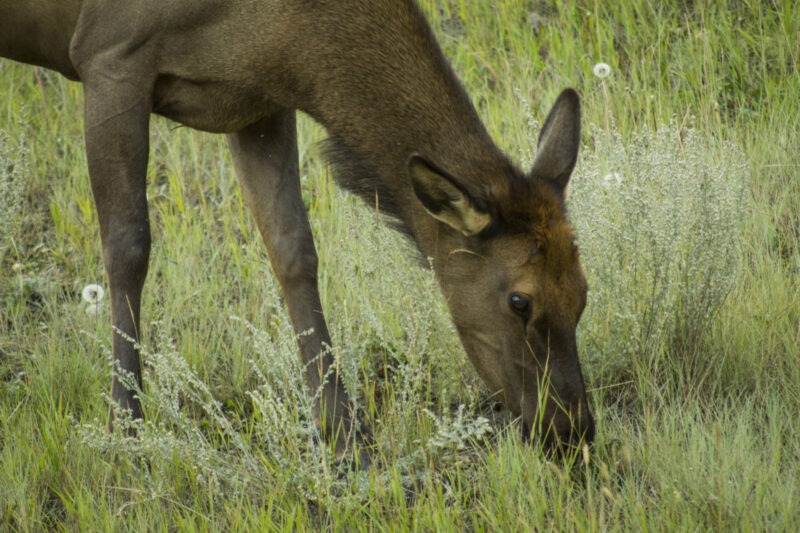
[401,127]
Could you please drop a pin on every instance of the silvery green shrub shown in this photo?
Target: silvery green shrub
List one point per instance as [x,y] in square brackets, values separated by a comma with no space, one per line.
[13,170]
[659,220]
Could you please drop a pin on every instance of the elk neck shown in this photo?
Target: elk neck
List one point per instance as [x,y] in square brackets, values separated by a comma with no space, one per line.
[379,83]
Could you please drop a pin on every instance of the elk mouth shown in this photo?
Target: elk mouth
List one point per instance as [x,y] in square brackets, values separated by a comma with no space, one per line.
[562,427]
[562,439]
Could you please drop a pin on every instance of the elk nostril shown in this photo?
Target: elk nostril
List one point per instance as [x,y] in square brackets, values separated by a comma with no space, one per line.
[562,438]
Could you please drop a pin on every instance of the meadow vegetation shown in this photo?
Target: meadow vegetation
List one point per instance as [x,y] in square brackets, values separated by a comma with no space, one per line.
[686,201]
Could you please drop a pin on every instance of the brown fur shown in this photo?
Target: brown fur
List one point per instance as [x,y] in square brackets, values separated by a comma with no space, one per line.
[403,131]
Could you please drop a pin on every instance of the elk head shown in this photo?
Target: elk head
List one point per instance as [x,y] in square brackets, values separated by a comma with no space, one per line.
[511,273]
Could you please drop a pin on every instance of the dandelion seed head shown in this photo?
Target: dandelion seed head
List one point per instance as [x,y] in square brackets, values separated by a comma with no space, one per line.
[93,309]
[612,179]
[93,293]
[601,70]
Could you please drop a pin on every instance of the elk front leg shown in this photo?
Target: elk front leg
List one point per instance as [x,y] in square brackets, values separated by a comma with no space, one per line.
[116,129]
[265,155]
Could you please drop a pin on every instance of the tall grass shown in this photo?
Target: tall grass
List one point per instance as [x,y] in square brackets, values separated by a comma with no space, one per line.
[686,203]
[13,172]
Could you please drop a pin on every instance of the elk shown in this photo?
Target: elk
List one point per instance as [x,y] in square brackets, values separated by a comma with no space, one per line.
[401,128]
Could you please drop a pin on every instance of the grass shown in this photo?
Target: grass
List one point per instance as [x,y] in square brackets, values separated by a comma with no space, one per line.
[686,201]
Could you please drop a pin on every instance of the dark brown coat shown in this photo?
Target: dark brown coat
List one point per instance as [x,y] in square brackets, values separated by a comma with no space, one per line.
[401,127]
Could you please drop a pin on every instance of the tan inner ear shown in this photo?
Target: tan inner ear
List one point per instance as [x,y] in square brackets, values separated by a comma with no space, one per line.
[445,201]
[463,217]
[456,211]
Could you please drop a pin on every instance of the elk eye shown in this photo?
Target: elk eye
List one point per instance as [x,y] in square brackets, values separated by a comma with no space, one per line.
[520,303]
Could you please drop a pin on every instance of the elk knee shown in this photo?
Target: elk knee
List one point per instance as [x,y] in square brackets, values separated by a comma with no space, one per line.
[126,254]
[296,263]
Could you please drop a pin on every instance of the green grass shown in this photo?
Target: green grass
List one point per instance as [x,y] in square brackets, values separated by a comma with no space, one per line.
[689,344]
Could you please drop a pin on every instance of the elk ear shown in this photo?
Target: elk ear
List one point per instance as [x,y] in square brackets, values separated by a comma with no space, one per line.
[444,198]
[559,141]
